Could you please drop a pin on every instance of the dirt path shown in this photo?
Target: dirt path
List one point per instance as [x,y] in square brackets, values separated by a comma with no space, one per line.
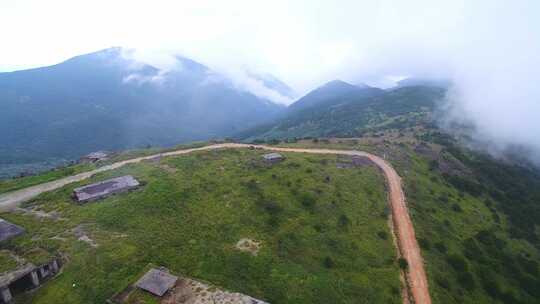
[408,246]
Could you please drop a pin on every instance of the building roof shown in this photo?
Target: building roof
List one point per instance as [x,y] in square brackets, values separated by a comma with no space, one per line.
[9,230]
[105,188]
[272,156]
[96,155]
[157,282]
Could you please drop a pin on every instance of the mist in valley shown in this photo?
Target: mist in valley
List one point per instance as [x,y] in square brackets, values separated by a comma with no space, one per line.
[489,50]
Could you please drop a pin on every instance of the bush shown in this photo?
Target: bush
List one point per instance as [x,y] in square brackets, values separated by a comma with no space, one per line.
[443,282]
[308,201]
[382,235]
[343,222]
[272,207]
[424,243]
[457,208]
[466,280]
[403,264]
[328,262]
[441,247]
[458,263]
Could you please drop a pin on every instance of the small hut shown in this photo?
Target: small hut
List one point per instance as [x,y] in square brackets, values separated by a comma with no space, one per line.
[157,282]
[105,188]
[273,157]
[94,157]
[9,230]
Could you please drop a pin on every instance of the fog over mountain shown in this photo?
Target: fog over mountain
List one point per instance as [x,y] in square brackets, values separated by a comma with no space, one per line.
[107,101]
[490,50]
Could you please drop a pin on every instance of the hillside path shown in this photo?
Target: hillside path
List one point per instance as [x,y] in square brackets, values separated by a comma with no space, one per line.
[407,243]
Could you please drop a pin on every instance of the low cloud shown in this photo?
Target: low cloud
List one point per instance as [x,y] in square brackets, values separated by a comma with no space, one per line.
[488,48]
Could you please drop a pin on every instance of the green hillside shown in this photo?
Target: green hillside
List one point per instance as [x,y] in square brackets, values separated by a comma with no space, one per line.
[353,114]
[477,218]
[323,230]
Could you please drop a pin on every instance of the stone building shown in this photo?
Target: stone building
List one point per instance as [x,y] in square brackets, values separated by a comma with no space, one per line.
[105,188]
[9,230]
[273,157]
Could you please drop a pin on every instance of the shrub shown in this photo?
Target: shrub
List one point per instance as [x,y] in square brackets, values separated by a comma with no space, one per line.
[443,282]
[466,280]
[308,201]
[457,262]
[456,208]
[272,207]
[441,247]
[424,243]
[382,235]
[343,221]
[328,262]
[403,264]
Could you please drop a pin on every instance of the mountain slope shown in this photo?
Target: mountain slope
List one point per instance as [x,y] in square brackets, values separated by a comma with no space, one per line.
[104,101]
[349,111]
[330,92]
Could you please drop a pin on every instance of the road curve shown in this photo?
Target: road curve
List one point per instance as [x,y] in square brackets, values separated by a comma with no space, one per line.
[408,246]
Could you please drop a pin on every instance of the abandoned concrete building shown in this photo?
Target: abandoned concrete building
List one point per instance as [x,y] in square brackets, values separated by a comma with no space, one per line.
[273,157]
[9,230]
[94,157]
[157,281]
[105,188]
[353,162]
[25,277]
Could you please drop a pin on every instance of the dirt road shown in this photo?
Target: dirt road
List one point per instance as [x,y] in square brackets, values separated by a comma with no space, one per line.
[408,246]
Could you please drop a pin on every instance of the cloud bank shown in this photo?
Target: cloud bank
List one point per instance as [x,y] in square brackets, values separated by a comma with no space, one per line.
[489,48]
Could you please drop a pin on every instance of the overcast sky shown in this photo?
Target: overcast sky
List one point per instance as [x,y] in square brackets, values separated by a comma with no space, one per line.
[490,48]
[302,42]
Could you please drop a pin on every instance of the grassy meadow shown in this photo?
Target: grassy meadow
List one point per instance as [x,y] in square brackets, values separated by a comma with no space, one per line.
[323,230]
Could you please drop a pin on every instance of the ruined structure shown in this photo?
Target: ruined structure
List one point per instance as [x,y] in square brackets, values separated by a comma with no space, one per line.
[105,188]
[25,277]
[273,157]
[9,230]
[94,157]
[157,281]
[191,291]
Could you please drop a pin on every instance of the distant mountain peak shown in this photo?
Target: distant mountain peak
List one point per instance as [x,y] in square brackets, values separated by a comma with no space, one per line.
[191,65]
[336,83]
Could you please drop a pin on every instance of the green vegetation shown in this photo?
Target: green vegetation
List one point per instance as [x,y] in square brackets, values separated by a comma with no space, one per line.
[477,258]
[7,262]
[352,115]
[319,226]
[476,219]
[8,185]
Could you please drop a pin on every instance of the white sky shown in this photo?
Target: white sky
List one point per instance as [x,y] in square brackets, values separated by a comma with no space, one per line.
[302,42]
[491,48]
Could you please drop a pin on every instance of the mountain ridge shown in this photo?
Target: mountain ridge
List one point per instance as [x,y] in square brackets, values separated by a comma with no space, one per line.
[105,101]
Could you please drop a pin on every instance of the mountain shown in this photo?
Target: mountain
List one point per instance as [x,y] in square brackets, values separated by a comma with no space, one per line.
[332,92]
[343,110]
[105,101]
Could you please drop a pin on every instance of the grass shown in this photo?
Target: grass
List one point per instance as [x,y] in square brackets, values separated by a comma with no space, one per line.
[8,185]
[471,249]
[320,229]
[7,262]
[467,244]
[13,184]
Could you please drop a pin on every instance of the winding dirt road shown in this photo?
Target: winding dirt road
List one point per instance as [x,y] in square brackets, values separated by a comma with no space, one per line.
[408,246]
